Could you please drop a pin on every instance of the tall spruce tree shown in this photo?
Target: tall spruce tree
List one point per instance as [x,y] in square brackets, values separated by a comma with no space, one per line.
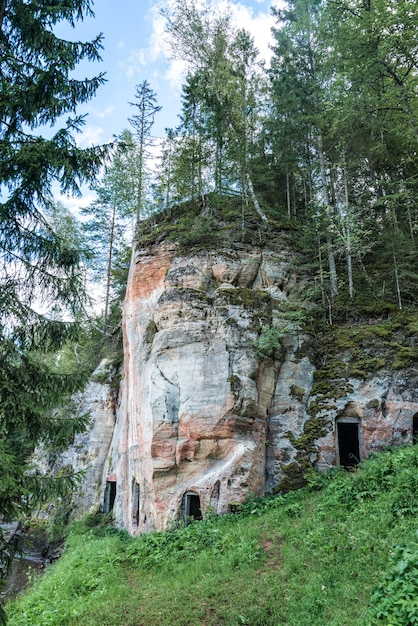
[300,93]
[39,267]
[376,46]
[142,122]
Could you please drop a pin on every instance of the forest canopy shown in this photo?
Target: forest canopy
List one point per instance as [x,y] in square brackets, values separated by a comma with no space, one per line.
[326,136]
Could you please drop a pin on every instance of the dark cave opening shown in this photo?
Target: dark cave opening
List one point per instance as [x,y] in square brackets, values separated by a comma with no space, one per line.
[348,443]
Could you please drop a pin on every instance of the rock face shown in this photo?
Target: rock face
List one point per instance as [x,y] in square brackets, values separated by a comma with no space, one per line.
[218,396]
[90,450]
[192,426]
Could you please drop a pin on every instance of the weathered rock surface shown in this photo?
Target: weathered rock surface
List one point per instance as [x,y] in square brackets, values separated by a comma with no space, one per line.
[204,416]
[90,450]
[194,414]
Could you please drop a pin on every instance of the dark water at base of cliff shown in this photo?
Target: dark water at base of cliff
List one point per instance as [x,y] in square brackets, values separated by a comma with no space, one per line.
[34,557]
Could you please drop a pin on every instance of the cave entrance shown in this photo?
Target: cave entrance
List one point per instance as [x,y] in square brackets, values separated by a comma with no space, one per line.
[109,496]
[135,503]
[348,443]
[191,507]
[415,429]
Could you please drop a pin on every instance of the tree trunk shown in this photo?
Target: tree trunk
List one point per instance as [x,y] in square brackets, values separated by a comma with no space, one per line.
[347,239]
[289,207]
[325,199]
[2,12]
[255,200]
[398,288]
[109,268]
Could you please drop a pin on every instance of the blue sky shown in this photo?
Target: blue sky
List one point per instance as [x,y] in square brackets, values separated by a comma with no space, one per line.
[135,50]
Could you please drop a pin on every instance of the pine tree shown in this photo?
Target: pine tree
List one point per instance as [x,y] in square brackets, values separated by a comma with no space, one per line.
[39,267]
[193,149]
[142,122]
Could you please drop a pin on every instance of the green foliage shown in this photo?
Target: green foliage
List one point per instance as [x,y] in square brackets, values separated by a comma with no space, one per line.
[170,548]
[150,332]
[142,121]
[41,251]
[326,554]
[395,600]
[393,472]
[57,527]
[268,340]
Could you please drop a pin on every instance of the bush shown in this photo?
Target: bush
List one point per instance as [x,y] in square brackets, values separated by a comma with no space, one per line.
[268,341]
[395,601]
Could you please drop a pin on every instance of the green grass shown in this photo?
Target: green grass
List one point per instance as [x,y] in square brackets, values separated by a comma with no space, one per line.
[341,552]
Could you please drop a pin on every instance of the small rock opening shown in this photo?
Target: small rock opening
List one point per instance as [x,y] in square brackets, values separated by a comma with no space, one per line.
[191,507]
[109,496]
[135,503]
[348,443]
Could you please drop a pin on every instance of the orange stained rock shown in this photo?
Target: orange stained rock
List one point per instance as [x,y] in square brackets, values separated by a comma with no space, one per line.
[149,274]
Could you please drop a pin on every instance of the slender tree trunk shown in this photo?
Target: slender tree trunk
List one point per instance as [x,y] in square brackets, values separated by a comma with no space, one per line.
[255,200]
[325,199]
[289,203]
[140,180]
[109,267]
[411,227]
[321,271]
[218,163]
[2,12]
[332,267]
[349,266]
[397,283]
[244,199]
[168,185]
[200,155]
[347,239]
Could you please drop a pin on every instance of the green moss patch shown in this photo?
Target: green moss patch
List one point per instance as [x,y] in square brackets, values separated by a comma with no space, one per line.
[193,229]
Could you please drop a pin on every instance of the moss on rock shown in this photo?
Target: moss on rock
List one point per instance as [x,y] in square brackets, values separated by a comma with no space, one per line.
[297,392]
[294,476]
[150,331]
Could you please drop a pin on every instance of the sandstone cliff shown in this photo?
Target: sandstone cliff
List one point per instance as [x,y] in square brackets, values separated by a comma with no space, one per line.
[226,390]
[210,412]
[196,393]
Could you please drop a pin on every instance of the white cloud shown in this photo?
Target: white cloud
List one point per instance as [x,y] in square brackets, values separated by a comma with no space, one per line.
[136,59]
[175,74]
[242,16]
[91,136]
[74,204]
[104,112]
[259,26]
[157,51]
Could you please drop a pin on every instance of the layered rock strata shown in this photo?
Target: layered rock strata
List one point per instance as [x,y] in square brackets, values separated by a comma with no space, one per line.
[196,395]
[217,397]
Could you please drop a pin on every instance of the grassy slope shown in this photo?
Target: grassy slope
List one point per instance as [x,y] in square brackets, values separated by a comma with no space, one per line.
[313,557]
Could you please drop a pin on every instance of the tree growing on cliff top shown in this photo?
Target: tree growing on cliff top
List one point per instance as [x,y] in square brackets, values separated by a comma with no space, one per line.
[38,265]
[142,122]
[222,84]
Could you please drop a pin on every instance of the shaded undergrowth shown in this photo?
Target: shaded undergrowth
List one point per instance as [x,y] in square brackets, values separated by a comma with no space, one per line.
[343,551]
